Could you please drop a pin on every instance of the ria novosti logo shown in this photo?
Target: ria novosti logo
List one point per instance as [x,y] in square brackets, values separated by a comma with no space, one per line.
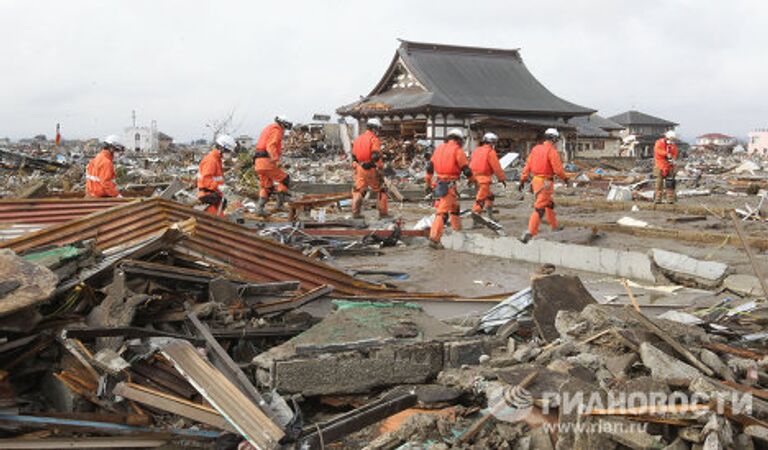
[515,403]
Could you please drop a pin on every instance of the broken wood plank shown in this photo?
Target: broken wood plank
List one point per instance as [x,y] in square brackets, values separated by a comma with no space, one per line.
[282,306]
[222,394]
[320,435]
[631,294]
[743,353]
[759,393]
[755,268]
[127,332]
[172,404]
[501,405]
[229,368]
[661,334]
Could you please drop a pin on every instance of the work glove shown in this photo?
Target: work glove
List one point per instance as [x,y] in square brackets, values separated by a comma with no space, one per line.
[224,189]
[427,189]
[521,186]
[504,183]
[566,180]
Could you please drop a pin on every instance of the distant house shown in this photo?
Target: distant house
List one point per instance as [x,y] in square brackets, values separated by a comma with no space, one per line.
[244,141]
[164,141]
[645,128]
[431,88]
[596,137]
[717,142]
[758,142]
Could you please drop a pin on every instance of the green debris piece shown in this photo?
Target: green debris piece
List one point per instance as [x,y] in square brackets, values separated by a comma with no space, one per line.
[59,253]
[347,304]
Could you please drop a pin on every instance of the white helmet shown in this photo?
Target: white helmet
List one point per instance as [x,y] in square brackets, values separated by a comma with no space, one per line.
[456,133]
[113,141]
[373,123]
[551,133]
[282,119]
[226,142]
[670,135]
[490,138]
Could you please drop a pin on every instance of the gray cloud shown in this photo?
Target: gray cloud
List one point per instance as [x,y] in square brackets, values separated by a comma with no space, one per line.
[87,64]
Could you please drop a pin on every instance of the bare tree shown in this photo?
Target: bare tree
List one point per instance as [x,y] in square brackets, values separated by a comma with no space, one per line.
[224,125]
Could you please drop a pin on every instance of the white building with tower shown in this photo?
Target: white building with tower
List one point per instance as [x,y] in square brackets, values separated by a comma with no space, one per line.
[141,139]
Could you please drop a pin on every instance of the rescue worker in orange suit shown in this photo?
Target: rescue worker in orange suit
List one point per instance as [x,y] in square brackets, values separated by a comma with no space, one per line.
[210,176]
[448,163]
[485,164]
[366,157]
[100,172]
[266,162]
[665,153]
[544,164]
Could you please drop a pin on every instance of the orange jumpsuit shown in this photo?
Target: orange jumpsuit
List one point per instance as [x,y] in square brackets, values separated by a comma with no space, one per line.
[447,163]
[484,164]
[268,150]
[210,176]
[367,172]
[544,163]
[664,153]
[100,176]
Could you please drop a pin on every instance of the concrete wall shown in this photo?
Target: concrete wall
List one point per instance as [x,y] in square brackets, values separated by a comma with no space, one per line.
[620,263]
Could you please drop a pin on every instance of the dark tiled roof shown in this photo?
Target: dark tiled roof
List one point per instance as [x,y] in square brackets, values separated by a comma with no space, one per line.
[468,79]
[637,118]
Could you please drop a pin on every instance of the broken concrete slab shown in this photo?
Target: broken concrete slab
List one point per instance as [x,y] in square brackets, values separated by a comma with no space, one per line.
[26,284]
[619,365]
[555,293]
[688,271]
[608,261]
[665,367]
[711,360]
[360,347]
[625,433]
[758,432]
[742,284]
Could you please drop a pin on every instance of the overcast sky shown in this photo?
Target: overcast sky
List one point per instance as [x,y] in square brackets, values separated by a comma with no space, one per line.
[88,64]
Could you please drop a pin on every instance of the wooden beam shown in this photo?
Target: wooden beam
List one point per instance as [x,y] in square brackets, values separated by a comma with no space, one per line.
[226,397]
[684,352]
[172,404]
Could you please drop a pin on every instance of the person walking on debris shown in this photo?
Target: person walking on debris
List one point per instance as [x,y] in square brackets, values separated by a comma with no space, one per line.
[366,157]
[665,153]
[100,173]
[484,164]
[448,161]
[266,162]
[543,163]
[210,176]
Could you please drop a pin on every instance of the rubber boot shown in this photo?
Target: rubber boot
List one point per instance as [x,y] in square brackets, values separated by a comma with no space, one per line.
[526,237]
[280,201]
[261,209]
[671,196]
[476,223]
[657,197]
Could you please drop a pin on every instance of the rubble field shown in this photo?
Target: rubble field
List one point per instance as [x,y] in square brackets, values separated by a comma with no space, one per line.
[143,322]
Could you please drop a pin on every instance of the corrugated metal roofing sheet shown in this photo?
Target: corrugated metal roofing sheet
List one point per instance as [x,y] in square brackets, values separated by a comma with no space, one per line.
[249,255]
